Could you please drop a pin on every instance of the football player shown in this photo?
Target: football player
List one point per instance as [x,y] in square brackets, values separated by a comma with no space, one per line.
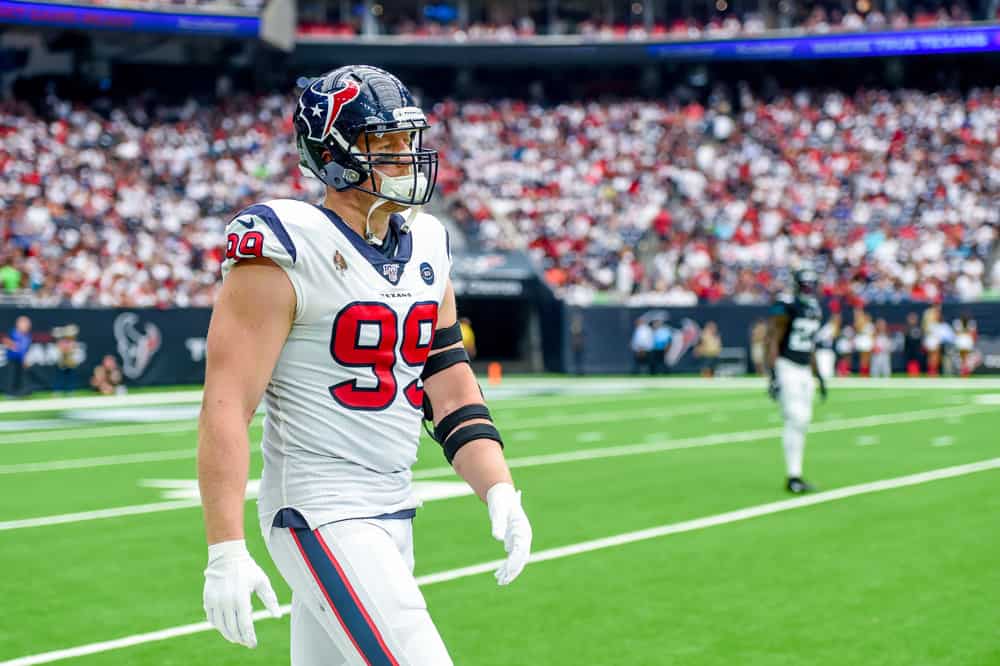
[342,318]
[791,359]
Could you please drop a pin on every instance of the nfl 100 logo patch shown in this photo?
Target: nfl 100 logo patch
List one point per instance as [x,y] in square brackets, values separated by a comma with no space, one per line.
[391,272]
[427,273]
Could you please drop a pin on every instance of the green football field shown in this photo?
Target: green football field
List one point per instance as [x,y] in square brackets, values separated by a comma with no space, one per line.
[663,534]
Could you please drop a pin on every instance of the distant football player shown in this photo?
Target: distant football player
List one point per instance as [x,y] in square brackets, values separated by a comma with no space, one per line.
[791,359]
[342,318]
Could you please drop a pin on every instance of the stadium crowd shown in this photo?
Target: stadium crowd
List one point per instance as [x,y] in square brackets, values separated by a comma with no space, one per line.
[893,194]
[802,17]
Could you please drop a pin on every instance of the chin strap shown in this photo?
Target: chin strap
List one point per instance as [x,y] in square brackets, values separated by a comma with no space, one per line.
[370,236]
[411,215]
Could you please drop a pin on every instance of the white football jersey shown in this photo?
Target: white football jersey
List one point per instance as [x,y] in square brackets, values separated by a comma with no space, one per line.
[344,404]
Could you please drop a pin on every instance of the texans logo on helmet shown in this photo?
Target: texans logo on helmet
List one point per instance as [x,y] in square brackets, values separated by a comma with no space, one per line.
[315,102]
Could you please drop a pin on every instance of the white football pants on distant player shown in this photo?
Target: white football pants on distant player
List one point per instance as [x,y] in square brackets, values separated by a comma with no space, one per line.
[355,601]
[796,397]
[826,362]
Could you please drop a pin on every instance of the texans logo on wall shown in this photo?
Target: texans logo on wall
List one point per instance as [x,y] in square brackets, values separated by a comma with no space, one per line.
[136,345]
[683,340]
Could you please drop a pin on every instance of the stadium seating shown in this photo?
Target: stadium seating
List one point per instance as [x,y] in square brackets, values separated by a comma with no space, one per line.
[892,193]
[802,18]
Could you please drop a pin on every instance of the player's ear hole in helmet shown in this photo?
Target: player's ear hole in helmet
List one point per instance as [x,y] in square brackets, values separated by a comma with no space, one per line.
[344,123]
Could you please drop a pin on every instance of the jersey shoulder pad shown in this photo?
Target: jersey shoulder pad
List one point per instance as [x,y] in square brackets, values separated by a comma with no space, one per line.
[427,224]
[260,231]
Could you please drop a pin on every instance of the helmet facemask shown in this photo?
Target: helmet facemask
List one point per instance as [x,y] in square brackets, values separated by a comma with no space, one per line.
[806,282]
[414,186]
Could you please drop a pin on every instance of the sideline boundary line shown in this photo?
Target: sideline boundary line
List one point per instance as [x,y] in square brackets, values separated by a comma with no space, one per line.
[614,383]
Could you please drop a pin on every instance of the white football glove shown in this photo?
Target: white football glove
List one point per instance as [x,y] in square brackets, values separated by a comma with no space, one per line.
[229,579]
[510,525]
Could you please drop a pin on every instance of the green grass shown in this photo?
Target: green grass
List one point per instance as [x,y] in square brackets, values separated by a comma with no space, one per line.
[896,577]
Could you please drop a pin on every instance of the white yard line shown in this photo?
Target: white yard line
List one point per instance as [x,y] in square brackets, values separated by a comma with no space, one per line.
[103,461]
[513,426]
[661,411]
[711,440]
[520,424]
[558,458]
[104,431]
[600,386]
[558,553]
[50,404]
[83,516]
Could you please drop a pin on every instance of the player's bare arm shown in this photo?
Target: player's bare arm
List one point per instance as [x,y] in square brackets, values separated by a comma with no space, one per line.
[471,442]
[777,327]
[250,322]
[817,374]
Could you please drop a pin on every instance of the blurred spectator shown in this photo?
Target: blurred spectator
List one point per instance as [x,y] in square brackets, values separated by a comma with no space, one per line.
[965,342]
[826,339]
[577,341]
[17,342]
[913,336]
[107,377]
[881,365]
[864,340]
[661,342]
[758,339]
[69,360]
[10,276]
[468,337]
[844,347]
[642,346]
[932,339]
[946,334]
[709,348]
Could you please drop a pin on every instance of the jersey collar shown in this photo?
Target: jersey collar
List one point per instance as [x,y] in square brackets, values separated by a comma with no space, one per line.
[390,268]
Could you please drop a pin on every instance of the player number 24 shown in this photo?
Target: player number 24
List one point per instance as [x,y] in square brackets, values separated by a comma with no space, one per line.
[354,344]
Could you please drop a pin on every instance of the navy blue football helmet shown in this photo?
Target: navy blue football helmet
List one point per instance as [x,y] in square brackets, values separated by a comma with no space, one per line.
[336,116]
[806,280]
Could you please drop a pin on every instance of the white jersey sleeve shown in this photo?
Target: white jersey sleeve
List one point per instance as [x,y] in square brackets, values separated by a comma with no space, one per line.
[258,232]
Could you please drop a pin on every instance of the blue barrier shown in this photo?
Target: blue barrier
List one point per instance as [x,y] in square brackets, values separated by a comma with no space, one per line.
[607,332]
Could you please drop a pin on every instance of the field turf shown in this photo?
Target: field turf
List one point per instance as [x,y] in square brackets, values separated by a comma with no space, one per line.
[899,575]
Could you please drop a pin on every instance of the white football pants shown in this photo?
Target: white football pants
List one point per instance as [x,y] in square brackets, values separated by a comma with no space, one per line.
[355,601]
[796,397]
[826,362]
